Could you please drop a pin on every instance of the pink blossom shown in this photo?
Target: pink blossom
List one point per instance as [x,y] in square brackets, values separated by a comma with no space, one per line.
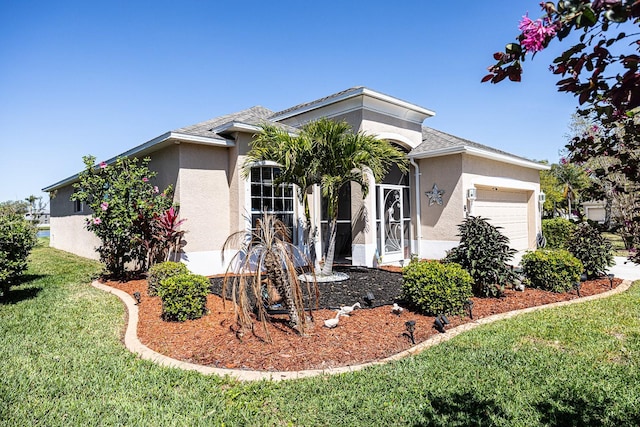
[103,165]
[563,161]
[104,206]
[594,128]
[155,189]
[97,221]
[535,33]
[145,179]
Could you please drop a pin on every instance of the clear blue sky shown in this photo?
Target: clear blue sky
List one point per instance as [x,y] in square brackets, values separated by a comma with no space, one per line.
[86,77]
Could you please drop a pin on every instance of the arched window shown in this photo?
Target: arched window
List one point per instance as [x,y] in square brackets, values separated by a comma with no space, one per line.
[267,198]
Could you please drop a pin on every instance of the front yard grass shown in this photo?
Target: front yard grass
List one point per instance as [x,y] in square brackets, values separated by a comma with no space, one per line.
[62,363]
[618,244]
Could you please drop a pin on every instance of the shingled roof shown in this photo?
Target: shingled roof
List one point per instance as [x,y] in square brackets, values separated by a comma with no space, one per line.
[436,143]
[253,116]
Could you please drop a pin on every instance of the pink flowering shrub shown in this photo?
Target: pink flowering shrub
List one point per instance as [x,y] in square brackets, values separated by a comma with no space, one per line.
[125,206]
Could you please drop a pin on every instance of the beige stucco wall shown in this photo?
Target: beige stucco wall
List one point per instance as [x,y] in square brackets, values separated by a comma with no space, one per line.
[68,232]
[439,222]
[202,186]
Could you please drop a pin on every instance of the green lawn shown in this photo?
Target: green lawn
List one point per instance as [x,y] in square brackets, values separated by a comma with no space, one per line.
[618,244]
[62,363]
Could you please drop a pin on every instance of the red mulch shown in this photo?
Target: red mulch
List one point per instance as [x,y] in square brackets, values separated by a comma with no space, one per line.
[367,335]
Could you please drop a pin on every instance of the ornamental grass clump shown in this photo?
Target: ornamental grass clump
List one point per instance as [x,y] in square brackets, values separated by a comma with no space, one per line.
[184,297]
[159,272]
[436,288]
[589,246]
[484,252]
[553,270]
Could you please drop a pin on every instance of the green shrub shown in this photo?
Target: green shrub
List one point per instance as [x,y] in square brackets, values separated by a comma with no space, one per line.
[551,269]
[484,252]
[557,232]
[164,270]
[436,288]
[589,246]
[184,297]
[17,238]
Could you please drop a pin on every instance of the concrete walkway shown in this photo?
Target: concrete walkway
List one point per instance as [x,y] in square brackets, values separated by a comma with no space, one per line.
[625,269]
[134,345]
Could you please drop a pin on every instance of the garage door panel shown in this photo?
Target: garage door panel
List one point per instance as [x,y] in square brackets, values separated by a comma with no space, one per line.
[508,210]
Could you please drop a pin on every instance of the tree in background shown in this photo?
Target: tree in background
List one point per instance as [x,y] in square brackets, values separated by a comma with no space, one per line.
[124,204]
[18,207]
[601,70]
[552,188]
[35,208]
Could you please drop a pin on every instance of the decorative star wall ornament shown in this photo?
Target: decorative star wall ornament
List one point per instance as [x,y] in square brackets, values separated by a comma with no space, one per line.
[435,195]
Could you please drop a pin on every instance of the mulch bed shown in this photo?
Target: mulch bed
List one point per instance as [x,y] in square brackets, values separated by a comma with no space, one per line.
[367,335]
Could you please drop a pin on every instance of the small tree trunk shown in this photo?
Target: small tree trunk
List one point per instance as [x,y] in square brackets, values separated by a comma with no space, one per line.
[278,278]
[327,269]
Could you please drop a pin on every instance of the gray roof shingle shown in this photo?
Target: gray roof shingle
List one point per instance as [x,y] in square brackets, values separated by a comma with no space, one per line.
[251,116]
[434,140]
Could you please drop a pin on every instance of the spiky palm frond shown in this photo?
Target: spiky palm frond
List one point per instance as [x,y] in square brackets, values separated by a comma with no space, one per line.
[265,253]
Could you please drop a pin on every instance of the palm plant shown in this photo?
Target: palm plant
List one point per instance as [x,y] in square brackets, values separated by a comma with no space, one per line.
[327,153]
[265,254]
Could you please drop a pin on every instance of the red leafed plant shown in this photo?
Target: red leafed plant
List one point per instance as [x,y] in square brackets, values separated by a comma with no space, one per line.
[168,234]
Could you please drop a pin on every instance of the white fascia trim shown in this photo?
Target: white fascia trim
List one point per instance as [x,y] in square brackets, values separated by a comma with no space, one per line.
[474,151]
[236,127]
[353,94]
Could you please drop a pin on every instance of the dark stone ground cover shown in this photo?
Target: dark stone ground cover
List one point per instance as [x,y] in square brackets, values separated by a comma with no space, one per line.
[384,285]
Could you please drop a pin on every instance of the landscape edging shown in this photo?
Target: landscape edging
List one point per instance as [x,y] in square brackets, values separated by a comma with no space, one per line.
[133,344]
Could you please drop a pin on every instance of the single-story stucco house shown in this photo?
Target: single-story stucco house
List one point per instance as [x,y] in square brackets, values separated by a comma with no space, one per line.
[413,213]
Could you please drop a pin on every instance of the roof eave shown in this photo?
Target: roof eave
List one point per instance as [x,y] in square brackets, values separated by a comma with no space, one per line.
[352,94]
[474,151]
[151,146]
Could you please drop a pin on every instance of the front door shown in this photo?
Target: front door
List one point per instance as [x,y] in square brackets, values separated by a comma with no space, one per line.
[393,223]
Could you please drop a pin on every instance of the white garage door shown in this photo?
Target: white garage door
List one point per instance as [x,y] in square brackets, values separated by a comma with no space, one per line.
[506,209]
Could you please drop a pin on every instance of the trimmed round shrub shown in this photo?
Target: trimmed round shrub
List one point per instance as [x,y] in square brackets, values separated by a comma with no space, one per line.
[551,269]
[17,238]
[589,246]
[161,271]
[557,232]
[436,288]
[184,297]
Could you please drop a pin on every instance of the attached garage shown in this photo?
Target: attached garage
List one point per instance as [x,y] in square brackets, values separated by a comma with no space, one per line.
[508,209]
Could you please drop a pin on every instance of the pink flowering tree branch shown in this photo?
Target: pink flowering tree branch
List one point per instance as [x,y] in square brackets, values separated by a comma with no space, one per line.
[601,70]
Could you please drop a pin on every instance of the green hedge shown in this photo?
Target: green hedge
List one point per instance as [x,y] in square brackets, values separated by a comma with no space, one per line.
[161,271]
[589,246]
[17,238]
[557,232]
[551,269]
[436,288]
[184,297]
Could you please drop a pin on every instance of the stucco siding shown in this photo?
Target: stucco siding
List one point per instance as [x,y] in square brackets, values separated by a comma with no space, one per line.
[165,163]
[67,228]
[203,196]
[439,222]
